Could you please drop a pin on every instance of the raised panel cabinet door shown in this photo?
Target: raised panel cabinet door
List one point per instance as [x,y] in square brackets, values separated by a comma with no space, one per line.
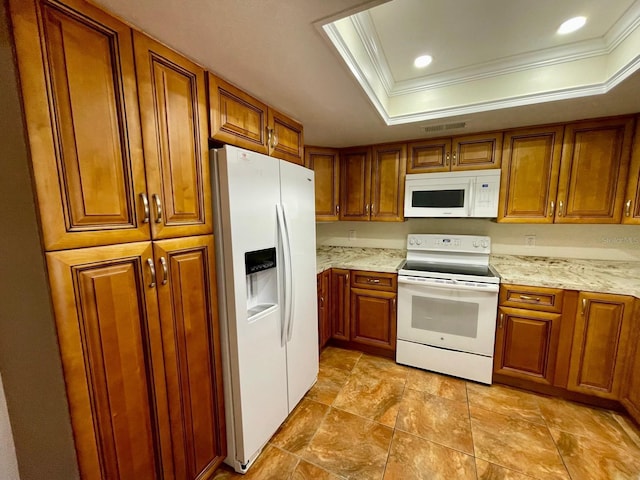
[631,213]
[429,156]
[373,318]
[80,101]
[236,117]
[324,302]
[340,304]
[526,344]
[593,171]
[325,162]
[109,334]
[600,342]
[191,346]
[529,177]
[631,388]
[285,138]
[173,110]
[475,152]
[355,184]
[388,165]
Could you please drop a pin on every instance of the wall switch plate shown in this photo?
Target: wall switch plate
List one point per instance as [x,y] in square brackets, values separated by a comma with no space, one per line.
[352,234]
[530,240]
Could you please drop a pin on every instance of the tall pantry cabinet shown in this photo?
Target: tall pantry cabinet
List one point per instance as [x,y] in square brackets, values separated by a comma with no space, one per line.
[117,130]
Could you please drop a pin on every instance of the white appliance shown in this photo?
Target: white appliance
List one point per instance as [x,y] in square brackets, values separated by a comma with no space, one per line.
[266,266]
[472,193]
[447,306]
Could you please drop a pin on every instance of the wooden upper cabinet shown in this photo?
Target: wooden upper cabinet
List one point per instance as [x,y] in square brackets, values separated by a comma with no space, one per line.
[77,70]
[173,110]
[355,183]
[600,344]
[285,138]
[185,268]
[593,171]
[529,177]
[388,163]
[470,152]
[631,213]
[109,334]
[236,117]
[325,162]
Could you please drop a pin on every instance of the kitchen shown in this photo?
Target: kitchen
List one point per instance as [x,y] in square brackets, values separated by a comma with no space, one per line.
[29,301]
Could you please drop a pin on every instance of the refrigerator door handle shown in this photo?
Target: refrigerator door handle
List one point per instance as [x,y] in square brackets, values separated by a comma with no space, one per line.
[286,273]
[292,285]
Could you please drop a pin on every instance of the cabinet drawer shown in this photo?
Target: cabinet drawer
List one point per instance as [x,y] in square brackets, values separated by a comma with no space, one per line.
[533,298]
[374,280]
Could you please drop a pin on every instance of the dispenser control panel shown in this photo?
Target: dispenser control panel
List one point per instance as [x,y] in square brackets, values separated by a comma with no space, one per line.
[260,260]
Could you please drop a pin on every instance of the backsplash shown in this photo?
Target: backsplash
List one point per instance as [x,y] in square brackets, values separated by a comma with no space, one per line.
[606,242]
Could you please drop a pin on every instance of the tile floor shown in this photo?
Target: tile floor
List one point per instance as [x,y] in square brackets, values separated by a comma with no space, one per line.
[369,418]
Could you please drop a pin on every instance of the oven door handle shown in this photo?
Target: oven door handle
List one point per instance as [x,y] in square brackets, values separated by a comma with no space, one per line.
[489,287]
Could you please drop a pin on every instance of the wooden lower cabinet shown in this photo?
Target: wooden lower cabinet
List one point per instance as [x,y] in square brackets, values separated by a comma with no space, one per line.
[631,389]
[373,318]
[324,305]
[340,304]
[140,351]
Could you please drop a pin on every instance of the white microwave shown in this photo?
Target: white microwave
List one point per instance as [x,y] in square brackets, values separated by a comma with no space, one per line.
[472,193]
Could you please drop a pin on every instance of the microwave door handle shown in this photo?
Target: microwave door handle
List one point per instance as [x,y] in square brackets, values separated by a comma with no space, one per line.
[471,197]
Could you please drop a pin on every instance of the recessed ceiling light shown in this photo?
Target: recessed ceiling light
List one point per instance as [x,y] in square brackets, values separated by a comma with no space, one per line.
[422,61]
[571,25]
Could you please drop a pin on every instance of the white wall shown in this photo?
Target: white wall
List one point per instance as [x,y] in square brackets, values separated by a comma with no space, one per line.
[608,242]
[8,461]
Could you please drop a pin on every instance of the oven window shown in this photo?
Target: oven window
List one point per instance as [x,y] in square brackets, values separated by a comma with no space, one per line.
[438,198]
[453,317]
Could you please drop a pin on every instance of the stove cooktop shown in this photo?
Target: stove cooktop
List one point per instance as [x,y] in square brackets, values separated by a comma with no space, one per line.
[480,273]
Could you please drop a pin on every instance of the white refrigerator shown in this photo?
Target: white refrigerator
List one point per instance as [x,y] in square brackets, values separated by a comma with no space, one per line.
[266,268]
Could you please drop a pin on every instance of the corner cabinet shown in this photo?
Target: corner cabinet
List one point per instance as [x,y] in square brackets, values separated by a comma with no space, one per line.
[325,162]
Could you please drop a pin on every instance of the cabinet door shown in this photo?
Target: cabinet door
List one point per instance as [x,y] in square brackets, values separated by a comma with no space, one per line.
[593,171]
[474,152]
[600,344]
[388,164]
[173,110]
[81,106]
[526,344]
[192,362]
[109,334]
[373,318]
[631,389]
[529,177]
[325,162]
[631,214]
[324,302]
[340,304]
[285,139]
[429,156]
[236,117]
[355,184]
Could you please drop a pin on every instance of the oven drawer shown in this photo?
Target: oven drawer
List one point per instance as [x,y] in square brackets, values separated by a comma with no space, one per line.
[532,298]
[374,280]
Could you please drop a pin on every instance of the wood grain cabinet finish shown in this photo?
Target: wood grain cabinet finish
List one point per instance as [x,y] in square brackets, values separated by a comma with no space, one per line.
[324,306]
[111,345]
[325,162]
[593,171]
[80,100]
[285,137]
[631,212]
[388,165]
[355,184]
[173,109]
[600,344]
[236,117]
[543,299]
[631,386]
[471,152]
[373,309]
[340,304]
[529,177]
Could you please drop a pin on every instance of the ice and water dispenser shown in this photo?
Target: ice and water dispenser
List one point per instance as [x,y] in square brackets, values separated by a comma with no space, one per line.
[262,280]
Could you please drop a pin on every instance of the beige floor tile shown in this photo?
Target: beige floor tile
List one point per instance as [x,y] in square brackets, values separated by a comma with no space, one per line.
[516,444]
[491,471]
[296,432]
[506,401]
[371,397]
[414,458]
[307,471]
[339,358]
[272,464]
[437,419]
[436,384]
[590,459]
[350,446]
[330,382]
[380,367]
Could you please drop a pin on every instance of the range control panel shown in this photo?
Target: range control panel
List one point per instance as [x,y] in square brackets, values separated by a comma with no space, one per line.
[449,243]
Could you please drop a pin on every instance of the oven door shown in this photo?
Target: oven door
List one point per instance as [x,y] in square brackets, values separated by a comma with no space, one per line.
[447,314]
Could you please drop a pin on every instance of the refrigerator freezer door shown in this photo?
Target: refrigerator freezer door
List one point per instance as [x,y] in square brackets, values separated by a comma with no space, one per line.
[298,204]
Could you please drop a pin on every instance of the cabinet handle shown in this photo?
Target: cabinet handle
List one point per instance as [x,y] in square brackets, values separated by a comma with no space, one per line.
[366,209]
[584,306]
[158,204]
[446,159]
[627,208]
[393,302]
[501,320]
[373,280]
[552,209]
[337,209]
[145,204]
[165,270]
[560,208]
[152,269]
[347,276]
[455,158]
[531,299]
[273,138]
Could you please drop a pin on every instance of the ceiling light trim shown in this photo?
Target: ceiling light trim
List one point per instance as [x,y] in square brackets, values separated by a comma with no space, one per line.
[363,25]
[628,22]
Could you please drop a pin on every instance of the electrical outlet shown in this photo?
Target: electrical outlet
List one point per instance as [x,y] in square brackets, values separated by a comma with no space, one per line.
[352,234]
[530,240]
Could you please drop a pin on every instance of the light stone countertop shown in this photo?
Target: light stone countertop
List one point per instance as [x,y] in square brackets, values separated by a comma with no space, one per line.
[386,260]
